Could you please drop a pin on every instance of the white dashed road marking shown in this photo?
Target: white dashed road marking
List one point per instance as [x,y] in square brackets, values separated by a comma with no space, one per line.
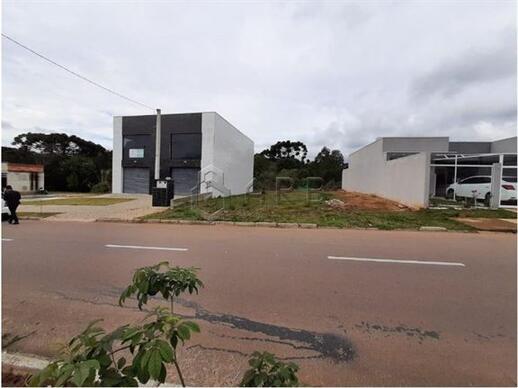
[448,263]
[7,239]
[142,247]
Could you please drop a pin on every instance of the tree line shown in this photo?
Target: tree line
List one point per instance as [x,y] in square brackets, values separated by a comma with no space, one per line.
[71,163]
[289,159]
[75,164]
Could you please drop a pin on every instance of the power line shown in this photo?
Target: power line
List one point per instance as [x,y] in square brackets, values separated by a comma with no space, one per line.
[76,74]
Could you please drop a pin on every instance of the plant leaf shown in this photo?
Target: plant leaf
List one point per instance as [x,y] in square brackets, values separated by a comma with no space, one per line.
[166,352]
[192,325]
[183,332]
[155,364]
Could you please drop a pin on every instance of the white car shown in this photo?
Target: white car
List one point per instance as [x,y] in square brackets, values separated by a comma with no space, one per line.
[5,209]
[480,187]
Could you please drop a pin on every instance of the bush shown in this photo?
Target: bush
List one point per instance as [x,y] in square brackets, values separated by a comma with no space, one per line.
[101,187]
[268,371]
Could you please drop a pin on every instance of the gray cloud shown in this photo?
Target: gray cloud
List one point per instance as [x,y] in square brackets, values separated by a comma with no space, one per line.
[6,125]
[328,73]
[469,69]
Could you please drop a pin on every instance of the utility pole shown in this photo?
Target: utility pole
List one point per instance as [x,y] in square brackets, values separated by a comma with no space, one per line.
[157,143]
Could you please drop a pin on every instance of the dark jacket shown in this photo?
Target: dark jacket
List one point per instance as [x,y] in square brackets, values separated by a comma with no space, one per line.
[12,198]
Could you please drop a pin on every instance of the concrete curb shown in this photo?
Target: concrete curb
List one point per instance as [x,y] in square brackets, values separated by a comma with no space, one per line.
[205,222]
[433,229]
[25,361]
[282,225]
[267,224]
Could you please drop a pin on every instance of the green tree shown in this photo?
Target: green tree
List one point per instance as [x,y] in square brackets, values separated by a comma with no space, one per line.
[61,154]
[265,171]
[287,154]
[57,143]
[328,165]
[80,173]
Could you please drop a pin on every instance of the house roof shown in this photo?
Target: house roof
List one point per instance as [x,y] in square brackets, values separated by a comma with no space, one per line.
[19,167]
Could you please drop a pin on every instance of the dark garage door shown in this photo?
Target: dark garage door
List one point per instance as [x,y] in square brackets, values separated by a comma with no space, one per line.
[136,180]
[184,180]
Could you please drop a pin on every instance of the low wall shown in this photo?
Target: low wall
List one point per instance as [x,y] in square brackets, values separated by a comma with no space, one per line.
[405,180]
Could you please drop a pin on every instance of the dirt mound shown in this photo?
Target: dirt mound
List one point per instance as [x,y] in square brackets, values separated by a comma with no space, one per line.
[360,201]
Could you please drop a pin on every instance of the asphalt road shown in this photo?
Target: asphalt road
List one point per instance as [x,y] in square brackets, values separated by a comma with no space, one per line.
[345,322]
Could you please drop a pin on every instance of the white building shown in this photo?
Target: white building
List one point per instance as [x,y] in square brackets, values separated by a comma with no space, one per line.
[410,170]
[23,177]
[200,151]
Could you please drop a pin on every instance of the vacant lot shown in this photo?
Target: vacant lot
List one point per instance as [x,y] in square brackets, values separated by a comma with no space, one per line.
[336,209]
[78,201]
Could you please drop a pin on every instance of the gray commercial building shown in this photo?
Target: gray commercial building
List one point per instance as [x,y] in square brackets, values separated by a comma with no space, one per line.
[201,152]
[411,170]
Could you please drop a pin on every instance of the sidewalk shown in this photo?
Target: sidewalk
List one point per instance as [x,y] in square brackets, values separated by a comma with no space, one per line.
[491,224]
[140,206]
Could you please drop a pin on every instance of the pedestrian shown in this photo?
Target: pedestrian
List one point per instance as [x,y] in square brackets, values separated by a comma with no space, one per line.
[12,200]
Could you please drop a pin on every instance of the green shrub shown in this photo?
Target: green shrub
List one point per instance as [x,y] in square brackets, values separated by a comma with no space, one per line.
[101,187]
[93,357]
[149,281]
[267,371]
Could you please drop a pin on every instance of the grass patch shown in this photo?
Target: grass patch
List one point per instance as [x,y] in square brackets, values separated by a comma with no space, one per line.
[486,213]
[78,201]
[294,208]
[36,214]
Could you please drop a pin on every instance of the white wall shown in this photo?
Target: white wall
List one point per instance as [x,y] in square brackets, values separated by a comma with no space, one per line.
[208,123]
[405,180]
[21,181]
[228,150]
[117,156]
[504,146]
[365,171]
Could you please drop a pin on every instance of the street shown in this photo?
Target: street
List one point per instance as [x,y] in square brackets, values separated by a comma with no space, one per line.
[432,308]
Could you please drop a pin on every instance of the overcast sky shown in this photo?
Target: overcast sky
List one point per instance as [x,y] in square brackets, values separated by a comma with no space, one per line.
[335,73]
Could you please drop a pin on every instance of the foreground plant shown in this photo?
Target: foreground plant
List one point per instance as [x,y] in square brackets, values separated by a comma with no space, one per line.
[97,358]
[149,281]
[135,354]
[267,371]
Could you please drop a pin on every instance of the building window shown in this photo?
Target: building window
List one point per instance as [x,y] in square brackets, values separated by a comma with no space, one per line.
[135,146]
[136,153]
[186,146]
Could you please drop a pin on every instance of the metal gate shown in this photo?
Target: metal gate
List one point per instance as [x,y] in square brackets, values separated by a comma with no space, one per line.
[136,180]
[184,180]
